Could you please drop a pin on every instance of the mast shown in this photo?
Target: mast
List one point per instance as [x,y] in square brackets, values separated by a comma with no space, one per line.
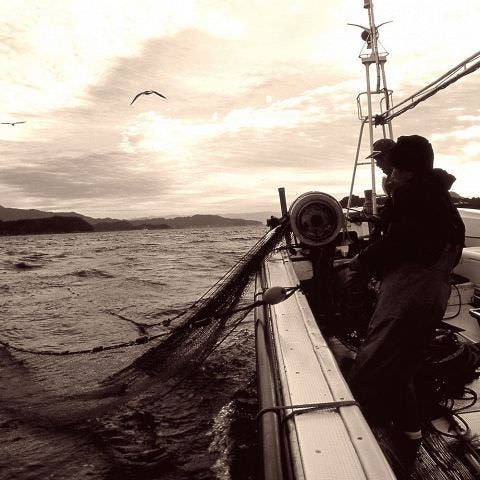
[371,56]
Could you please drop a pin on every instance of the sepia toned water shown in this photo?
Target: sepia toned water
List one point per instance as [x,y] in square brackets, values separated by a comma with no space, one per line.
[78,291]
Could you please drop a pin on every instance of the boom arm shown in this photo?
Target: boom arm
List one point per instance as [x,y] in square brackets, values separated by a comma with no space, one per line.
[467,66]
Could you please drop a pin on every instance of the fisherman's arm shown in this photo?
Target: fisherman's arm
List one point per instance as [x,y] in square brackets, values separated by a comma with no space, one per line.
[401,240]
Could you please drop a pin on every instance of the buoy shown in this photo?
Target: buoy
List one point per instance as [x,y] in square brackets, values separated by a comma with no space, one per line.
[274,295]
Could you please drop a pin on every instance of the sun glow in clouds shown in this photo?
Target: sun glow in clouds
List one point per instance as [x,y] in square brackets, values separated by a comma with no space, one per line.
[260,94]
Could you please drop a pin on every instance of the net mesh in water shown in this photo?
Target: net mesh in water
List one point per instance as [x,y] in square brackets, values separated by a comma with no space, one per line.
[66,388]
[202,327]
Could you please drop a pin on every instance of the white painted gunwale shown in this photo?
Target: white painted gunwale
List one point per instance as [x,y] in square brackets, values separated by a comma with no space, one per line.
[333,444]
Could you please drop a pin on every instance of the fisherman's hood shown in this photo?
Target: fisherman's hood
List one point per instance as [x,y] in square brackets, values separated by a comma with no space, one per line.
[442,178]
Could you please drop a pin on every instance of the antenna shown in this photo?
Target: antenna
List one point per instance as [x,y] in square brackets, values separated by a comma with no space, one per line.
[371,55]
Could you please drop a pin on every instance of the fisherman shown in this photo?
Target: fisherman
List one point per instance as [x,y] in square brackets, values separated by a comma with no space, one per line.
[414,260]
[381,154]
[358,301]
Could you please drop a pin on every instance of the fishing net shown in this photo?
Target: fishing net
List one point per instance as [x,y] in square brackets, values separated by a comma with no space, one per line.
[63,387]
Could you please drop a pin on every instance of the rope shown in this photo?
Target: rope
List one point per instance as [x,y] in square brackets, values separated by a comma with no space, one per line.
[142,327]
[307,407]
[473,400]
[98,349]
[138,341]
[457,313]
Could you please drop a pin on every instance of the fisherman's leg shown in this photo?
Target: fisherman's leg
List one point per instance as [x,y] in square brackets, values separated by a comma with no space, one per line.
[388,398]
[379,368]
[392,349]
[405,435]
[407,415]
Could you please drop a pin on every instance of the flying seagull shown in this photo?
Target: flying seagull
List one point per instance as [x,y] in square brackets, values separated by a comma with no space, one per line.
[148,92]
[10,123]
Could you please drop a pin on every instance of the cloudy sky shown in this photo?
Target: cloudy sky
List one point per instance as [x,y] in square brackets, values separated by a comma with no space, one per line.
[260,94]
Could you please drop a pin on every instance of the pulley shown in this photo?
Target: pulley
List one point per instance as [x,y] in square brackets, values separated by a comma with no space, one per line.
[316,218]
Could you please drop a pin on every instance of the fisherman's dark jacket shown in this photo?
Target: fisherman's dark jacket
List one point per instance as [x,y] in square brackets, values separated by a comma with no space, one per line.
[422,222]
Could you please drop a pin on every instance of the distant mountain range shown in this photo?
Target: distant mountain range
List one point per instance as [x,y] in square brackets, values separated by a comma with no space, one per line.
[457,200]
[259,216]
[17,221]
[45,225]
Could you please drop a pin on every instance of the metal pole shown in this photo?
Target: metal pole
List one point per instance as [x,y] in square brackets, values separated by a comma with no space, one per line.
[373,39]
[370,132]
[283,200]
[387,99]
[284,210]
[349,204]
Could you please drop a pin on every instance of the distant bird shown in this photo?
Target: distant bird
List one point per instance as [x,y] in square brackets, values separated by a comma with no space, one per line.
[10,123]
[148,92]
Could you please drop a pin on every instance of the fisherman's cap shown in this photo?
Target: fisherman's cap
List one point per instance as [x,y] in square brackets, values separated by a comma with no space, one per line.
[381,146]
[412,153]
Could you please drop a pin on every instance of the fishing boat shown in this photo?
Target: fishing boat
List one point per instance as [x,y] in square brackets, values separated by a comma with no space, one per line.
[310,424]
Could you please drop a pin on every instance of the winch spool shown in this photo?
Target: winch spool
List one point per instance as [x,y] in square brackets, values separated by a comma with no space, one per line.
[316,218]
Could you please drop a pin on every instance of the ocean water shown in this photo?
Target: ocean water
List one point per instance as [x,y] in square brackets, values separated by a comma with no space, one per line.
[81,291]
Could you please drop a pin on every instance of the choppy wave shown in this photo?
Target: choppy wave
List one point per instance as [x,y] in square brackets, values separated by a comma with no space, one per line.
[19,265]
[71,299]
[93,273]
[26,265]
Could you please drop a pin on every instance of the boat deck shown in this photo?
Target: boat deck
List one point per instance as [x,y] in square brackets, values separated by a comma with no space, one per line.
[310,375]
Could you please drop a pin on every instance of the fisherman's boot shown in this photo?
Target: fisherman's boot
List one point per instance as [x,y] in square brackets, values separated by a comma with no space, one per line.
[406,446]
[411,445]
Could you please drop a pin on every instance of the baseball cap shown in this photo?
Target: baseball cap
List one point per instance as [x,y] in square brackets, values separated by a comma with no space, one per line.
[383,145]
